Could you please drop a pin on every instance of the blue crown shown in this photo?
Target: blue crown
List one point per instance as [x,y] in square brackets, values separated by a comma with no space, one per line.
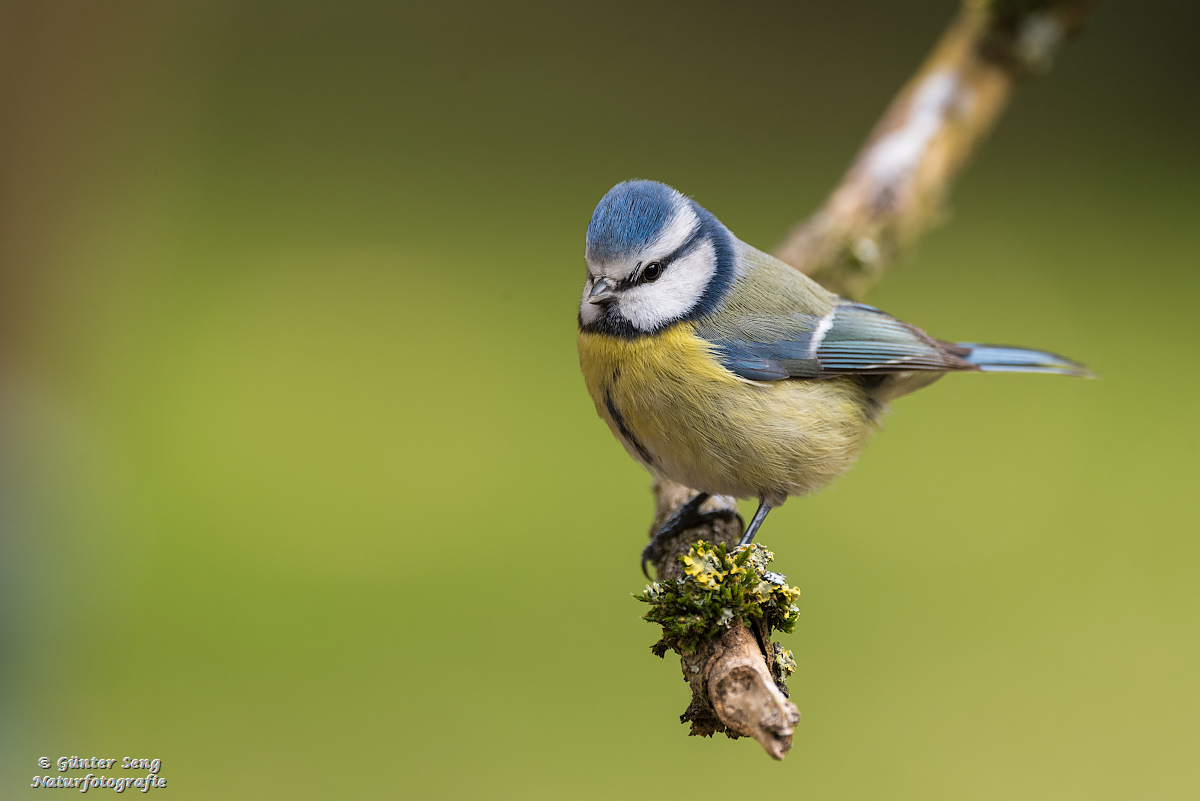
[629,217]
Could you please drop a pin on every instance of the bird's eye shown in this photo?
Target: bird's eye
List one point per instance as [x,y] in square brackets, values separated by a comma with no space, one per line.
[652,271]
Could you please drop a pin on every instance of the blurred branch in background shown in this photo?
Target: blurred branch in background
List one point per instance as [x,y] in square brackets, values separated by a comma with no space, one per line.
[895,188]
[893,192]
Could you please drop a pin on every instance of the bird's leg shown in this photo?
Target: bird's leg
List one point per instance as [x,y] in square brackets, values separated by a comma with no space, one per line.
[685,517]
[760,514]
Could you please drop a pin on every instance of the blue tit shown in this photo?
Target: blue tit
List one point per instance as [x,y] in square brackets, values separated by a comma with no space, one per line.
[726,370]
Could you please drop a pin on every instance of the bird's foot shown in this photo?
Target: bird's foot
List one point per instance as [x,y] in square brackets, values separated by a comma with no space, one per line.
[684,518]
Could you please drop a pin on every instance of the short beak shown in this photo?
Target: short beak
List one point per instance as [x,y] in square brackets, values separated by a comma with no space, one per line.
[602,291]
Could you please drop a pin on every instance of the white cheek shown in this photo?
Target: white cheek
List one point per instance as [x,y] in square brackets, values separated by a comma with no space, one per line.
[649,306]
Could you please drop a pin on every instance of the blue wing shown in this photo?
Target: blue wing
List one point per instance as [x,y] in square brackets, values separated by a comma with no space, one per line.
[853,339]
[861,339]
[856,339]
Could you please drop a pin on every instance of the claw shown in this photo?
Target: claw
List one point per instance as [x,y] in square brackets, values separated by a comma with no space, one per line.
[685,517]
[648,553]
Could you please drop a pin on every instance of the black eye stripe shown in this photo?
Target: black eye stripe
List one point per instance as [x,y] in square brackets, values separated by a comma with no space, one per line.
[638,275]
[689,244]
[631,279]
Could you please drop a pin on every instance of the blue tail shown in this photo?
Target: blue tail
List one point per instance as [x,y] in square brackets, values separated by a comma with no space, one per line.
[1003,359]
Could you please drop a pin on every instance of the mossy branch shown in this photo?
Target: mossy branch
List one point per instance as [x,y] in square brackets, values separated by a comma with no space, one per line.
[893,192]
[719,616]
[719,589]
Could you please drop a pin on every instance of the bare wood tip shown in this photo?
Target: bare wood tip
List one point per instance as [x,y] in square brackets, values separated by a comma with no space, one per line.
[746,698]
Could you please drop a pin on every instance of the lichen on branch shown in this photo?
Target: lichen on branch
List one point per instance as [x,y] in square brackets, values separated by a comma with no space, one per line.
[718,614]
[719,589]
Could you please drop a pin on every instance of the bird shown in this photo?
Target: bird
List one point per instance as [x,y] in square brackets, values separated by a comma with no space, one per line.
[726,370]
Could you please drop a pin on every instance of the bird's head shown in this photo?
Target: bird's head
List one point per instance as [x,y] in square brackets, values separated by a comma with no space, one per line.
[654,257]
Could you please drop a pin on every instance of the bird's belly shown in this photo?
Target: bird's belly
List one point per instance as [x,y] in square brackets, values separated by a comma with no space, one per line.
[687,418]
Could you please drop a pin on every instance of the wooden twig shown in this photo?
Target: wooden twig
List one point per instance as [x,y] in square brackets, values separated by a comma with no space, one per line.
[894,190]
[892,193]
[733,691]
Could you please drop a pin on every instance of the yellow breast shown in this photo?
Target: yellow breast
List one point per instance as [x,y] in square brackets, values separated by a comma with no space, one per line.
[687,418]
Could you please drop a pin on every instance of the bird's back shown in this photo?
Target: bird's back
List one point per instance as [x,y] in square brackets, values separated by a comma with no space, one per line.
[768,297]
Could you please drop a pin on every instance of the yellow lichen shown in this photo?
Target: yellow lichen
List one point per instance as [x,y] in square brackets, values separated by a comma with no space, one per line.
[719,588]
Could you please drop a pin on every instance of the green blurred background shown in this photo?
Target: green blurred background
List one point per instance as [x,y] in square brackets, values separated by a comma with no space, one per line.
[302,493]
